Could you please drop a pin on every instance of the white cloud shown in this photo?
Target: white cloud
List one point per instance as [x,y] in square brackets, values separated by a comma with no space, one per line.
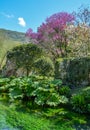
[7,15]
[21,22]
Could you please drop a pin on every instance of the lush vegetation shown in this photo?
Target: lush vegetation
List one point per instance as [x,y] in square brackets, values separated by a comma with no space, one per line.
[39,100]
[49,119]
[73,71]
[45,84]
[34,61]
[39,91]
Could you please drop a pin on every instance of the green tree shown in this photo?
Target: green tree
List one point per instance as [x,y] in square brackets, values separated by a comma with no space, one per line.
[32,59]
[24,56]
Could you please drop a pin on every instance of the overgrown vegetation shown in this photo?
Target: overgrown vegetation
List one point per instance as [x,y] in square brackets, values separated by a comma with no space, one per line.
[46,83]
[73,71]
[48,119]
[39,91]
[36,100]
[34,61]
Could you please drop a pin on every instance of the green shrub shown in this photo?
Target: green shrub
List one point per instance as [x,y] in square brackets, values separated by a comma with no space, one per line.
[34,90]
[81,102]
[73,71]
[47,94]
[44,66]
[24,56]
[65,90]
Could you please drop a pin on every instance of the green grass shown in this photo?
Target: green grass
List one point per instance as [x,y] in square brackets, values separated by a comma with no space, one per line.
[15,116]
[18,117]
[12,119]
[47,119]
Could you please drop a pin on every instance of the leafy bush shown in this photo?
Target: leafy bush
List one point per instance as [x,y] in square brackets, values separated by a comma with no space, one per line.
[24,56]
[64,90]
[81,102]
[73,71]
[34,90]
[44,66]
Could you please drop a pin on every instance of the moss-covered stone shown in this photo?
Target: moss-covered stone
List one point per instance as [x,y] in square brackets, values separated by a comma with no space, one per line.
[73,71]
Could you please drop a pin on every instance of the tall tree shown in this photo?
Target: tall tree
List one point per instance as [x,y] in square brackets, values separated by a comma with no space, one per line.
[52,35]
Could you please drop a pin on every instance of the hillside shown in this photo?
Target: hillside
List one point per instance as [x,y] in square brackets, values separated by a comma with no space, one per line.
[13,35]
[9,39]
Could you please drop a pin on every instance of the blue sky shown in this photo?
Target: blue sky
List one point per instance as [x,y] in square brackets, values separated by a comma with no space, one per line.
[19,15]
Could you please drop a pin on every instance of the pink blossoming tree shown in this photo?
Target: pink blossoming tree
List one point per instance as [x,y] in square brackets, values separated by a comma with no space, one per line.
[52,35]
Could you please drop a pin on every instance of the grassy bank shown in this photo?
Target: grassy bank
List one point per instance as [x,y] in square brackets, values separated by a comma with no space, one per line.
[12,118]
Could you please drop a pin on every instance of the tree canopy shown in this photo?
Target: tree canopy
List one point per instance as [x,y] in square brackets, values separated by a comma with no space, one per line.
[51,34]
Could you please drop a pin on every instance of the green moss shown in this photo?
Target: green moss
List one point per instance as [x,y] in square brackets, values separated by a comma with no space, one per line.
[74,71]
